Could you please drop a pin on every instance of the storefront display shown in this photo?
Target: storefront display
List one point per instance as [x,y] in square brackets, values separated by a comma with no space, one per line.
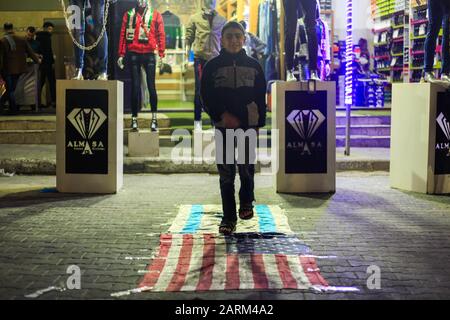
[93,25]
[141,34]
[203,34]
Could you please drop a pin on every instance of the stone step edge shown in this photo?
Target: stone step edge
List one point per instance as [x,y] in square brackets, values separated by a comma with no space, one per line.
[139,166]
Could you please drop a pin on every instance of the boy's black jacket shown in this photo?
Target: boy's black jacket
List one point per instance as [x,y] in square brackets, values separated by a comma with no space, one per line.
[234,83]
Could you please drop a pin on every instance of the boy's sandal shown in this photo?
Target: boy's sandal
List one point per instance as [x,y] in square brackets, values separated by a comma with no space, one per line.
[227,227]
[246,213]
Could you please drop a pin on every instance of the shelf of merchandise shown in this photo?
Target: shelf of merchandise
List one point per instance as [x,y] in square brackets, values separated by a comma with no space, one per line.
[391,56]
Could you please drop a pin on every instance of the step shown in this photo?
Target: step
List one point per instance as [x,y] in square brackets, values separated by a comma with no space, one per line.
[365,130]
[161,87]
[365,141]
[28,137]
[168,76]
[31,124]
[364,120]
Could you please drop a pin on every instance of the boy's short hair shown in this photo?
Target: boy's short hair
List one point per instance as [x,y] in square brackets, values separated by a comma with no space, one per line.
[48,24]
[234,25]
[31,29]
[8,26]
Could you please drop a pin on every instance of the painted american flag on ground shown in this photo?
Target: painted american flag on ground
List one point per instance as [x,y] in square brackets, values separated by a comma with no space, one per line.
[259,258]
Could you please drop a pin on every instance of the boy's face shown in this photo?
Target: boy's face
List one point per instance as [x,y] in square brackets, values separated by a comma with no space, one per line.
[233,40]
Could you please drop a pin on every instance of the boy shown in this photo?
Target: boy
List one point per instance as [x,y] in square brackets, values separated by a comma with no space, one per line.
[233,90]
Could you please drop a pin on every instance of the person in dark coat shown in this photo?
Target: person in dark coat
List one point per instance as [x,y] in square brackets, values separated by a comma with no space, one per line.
[14,51]
[46,70]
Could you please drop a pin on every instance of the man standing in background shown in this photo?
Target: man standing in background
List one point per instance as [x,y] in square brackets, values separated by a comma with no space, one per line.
[46,70]
[15,50]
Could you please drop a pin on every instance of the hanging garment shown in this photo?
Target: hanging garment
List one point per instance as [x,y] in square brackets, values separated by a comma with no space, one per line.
[142,33]
[172,28]
[203,34]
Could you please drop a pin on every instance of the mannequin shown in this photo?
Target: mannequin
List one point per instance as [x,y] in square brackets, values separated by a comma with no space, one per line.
[324,49]
[203,35]
[98,12]
[438,15]
[294,9]
[141,34]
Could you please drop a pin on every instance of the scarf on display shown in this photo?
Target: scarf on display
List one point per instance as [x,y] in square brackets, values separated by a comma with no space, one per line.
[146,23]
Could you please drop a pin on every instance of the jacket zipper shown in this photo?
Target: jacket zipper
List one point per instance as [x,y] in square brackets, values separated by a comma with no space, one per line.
[235,74]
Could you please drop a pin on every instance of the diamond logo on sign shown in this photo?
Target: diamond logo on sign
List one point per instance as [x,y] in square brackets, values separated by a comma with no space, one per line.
[87,122]
[306,123]
[445,126]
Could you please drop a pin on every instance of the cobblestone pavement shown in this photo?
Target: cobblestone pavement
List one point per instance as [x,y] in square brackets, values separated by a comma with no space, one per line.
[364,223]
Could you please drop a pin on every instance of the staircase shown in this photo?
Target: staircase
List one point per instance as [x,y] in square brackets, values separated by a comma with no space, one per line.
[41,129]
[366,131]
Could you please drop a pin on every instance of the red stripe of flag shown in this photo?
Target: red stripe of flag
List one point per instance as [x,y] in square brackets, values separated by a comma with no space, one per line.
[157,265]
[206,272]
[285,272]
[232,272]
[259,273]
[182,268]
[313,274]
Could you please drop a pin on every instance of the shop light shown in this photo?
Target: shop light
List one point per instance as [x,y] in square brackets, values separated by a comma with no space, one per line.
[349,56]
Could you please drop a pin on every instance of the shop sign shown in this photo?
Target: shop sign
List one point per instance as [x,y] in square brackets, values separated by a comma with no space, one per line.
[442,154]
[86,131]
[306,132]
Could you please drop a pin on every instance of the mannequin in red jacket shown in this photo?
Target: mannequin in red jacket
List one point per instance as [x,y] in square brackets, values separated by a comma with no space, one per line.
[142,33]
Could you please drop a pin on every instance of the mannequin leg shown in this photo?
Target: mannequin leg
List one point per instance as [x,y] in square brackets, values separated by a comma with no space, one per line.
[435,21]
[446,39]
[309,7]
[292,12]
[98,12]
[135,65]
[150,70]
[198,67]
[78,34]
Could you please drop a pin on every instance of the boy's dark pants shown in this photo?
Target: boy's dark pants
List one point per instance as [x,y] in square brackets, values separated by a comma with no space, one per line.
[227,172]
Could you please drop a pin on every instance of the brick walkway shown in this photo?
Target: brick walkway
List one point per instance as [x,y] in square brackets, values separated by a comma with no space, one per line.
[365,223]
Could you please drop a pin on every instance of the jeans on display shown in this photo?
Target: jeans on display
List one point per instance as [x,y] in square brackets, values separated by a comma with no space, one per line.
[11,85]
[439,14]
[199,64]
[47,72]
[293,10]
[227,173]
[97,12]
[148,62]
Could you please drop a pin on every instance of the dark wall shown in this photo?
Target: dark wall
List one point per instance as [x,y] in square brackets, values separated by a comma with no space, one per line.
[30,5]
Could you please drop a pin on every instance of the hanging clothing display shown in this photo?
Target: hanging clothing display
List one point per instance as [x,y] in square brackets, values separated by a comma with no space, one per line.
[324,49]
[268,33]
[172,28]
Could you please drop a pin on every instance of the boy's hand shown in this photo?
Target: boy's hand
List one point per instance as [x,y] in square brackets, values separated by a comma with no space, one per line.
[230,121]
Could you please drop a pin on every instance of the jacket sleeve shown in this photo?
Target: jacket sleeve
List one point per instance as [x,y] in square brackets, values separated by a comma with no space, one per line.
[161,35]
[208,94]
[190,32]
[123,40]
[260,92]
[31,53]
